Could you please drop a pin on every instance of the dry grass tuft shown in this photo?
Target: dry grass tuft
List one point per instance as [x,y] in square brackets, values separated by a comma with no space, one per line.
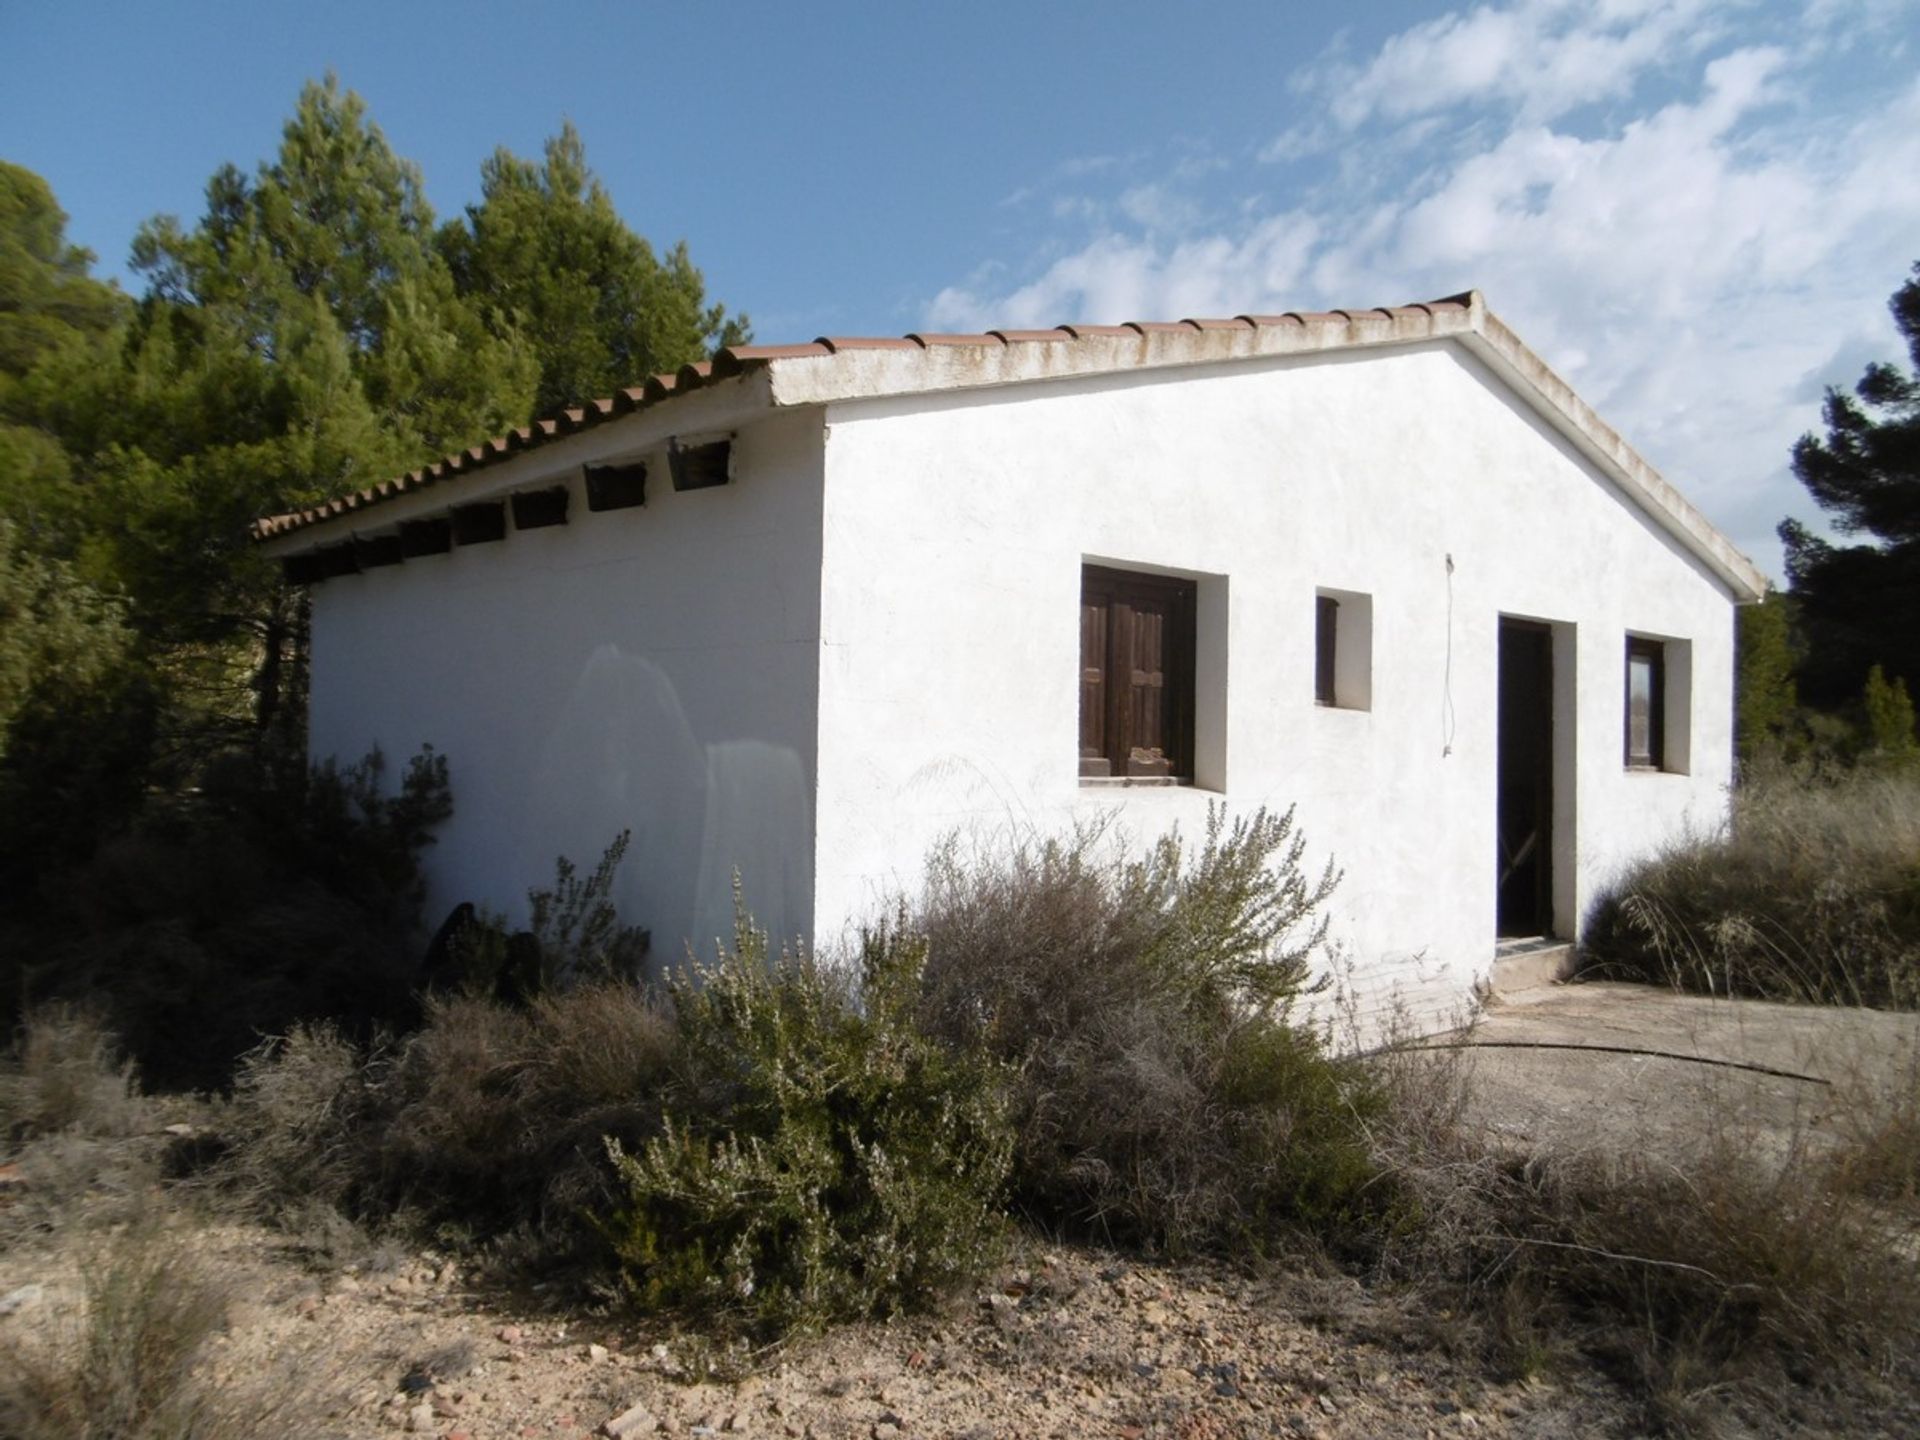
[127,1359]
[64,1074]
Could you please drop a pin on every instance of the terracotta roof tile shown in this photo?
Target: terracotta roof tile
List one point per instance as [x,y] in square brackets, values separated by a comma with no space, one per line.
[743,353]
[929,340]
[1027,337]
[1085,332]
[1160,327]
[1234,324]
[836,343]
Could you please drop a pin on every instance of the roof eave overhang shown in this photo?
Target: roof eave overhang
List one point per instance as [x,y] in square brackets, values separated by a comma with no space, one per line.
[496,469]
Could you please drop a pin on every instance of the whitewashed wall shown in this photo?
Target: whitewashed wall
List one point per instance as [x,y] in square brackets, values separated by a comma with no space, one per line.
[650,668]
[955,529]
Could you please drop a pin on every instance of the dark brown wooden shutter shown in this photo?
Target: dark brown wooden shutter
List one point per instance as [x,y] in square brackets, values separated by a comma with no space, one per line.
[1326,630]
[1095,613]
[1150,720]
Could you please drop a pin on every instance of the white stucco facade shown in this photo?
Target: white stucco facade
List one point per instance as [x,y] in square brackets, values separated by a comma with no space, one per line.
[868,640]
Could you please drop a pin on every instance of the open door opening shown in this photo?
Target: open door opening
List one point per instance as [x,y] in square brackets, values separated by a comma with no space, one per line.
[1524,811]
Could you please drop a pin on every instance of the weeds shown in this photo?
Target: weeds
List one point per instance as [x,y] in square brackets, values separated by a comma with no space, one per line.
[1813,897]
[124,1368]
[262,900]
[1722,1273]
[65,1073]
[1877,1154]
[490,1119]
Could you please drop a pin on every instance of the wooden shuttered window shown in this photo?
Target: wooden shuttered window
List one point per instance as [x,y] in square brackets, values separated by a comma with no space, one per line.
[1136,675]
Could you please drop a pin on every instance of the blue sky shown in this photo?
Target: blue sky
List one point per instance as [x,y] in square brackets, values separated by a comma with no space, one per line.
[1695,209]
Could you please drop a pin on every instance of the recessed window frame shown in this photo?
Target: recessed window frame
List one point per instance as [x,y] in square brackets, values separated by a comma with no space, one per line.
[1342,649]
[1126,615]
[1644,652]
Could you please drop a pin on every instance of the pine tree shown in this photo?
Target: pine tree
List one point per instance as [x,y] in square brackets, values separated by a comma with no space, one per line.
[1859,605]
[1890,722]
[55,319]
[1765,698]
[546,256]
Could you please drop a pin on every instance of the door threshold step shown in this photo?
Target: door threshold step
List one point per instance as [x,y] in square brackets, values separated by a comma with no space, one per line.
[1529,964]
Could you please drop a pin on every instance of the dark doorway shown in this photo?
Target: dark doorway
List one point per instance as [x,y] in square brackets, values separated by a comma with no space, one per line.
[1524,904]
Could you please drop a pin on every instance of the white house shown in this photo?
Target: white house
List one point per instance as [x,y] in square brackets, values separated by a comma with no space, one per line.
[805,610]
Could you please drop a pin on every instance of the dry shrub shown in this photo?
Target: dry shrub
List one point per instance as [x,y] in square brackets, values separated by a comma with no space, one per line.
[499,1116]
[1163,1098]
[65,1073]
[1877,1152]
[294,1130]
[490,1118]
[1813,896]
[129,1361]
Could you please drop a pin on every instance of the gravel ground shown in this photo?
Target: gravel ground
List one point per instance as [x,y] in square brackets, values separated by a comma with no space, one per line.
[1066,1342]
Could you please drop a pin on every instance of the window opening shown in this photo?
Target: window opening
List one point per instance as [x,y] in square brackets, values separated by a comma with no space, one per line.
[1343,649]
[1645,704]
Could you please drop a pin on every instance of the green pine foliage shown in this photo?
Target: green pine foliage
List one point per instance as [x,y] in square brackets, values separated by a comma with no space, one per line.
[1889,710]
[1765,697]
[58,635]
[822,1157]
[1859,605]
[545,258]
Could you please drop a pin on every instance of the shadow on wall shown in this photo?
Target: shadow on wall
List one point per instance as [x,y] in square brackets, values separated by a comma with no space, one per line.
[622,755]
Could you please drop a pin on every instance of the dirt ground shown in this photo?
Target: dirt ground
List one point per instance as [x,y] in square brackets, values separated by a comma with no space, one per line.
[1064,1341]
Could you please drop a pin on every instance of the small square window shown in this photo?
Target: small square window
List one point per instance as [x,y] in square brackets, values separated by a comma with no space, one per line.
[1136,676]
[1646,702]
[1343,649]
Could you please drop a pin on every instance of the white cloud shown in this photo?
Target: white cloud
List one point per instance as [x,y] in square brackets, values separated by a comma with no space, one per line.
[1688,264]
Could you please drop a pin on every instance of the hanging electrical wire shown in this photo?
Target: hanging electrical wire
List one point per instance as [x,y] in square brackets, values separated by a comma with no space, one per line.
[1446,690]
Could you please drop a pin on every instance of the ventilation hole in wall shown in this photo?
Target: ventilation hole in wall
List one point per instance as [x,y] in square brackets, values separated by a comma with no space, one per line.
[377,550]
[338,560]
[536,509]
[700,467]
[616,487]
[425,537]
[479,523]
[303,569]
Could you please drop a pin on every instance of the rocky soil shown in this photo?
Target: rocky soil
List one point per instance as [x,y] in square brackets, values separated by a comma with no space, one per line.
[1065,1342]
